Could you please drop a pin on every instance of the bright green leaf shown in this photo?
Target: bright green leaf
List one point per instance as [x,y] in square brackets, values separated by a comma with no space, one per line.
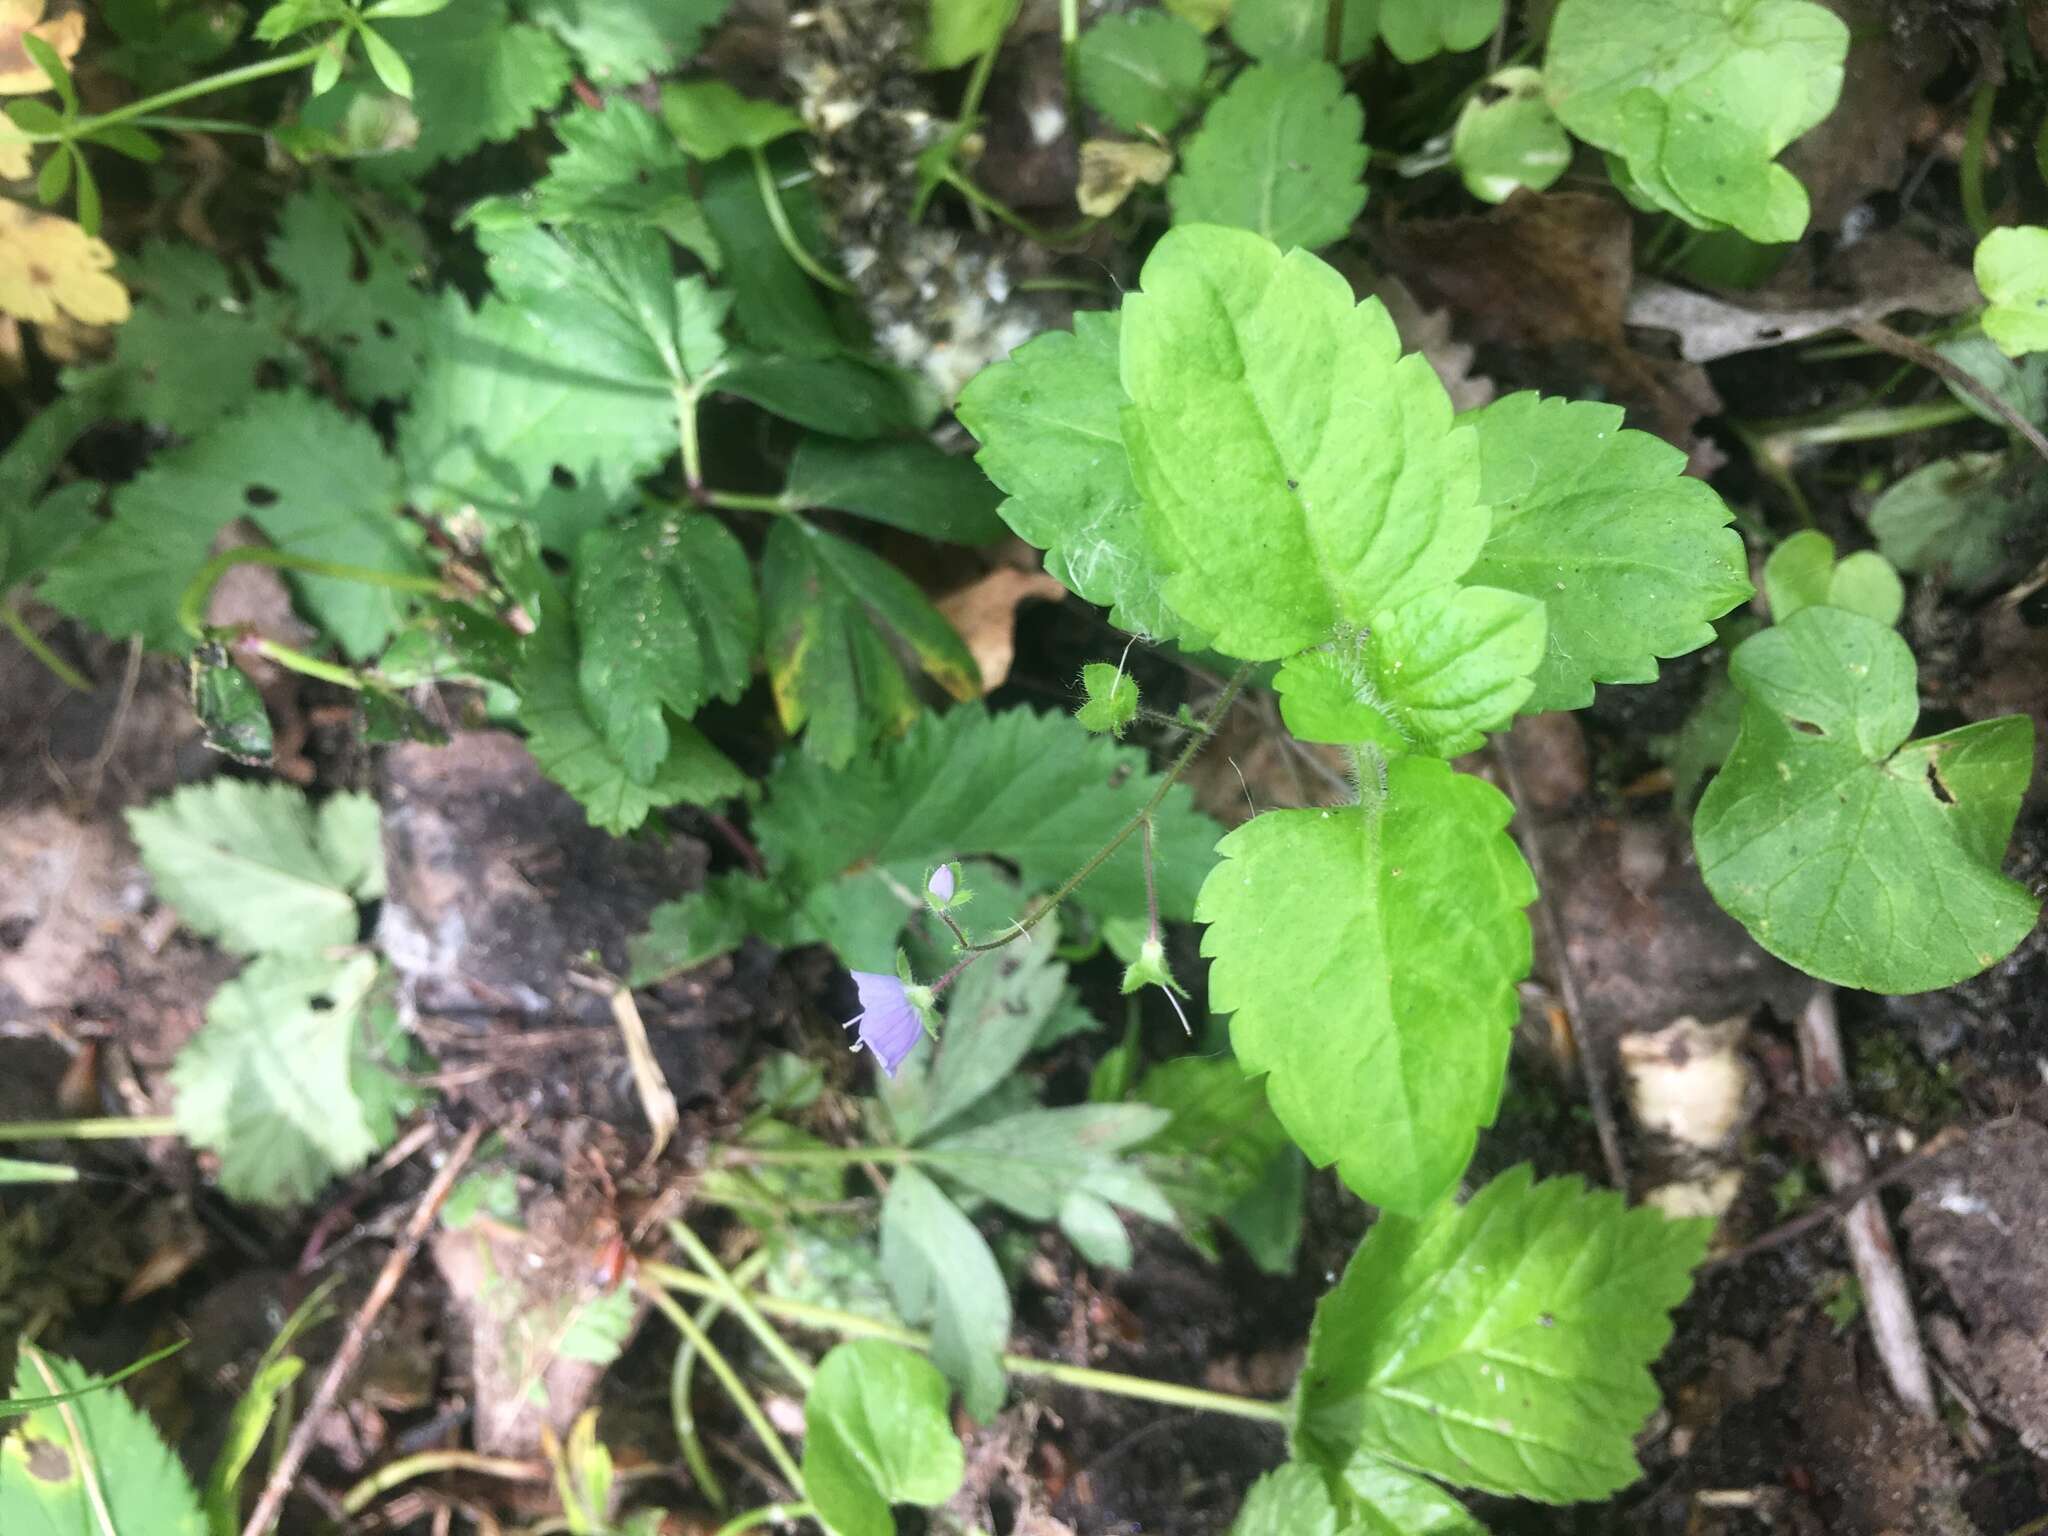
[376,325]
[2012,269]
[477,78]
[619,165]
[1385,1501]
[877,1433]
[1803,572]
[1281,153]
[34,535]
[623,41]
[940,1271]
[1507,137]
[67,1470]
[1414,30]
[1632,558]
[1291,1500]
[1846,850]
[1112,702]
[1952,518]
[1299,474]
[255,867]
[1369,956]
[1141,69]
[963,30]
[908,483]
[1501,1344]
[993,1014]
[710,119]
[390,67]
[1276,31]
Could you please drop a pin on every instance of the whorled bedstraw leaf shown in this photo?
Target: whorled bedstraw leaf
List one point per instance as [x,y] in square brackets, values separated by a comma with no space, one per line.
[711,119]
[1501,1344]
[1698,106]
[1273,31]
[940,1272]
[877,1433]
[621,41]
[1414,30]
[256,867]
[1141,69]
[908,483]
[478,77]
[1433,676]
[95,1459]
[1048,421]
[829,610]
[1299,474]
[1369,957]
[1632,558]
[1846,850]
[1112,699]
[376,324]
[1951,518]
[279,1083]
[2012,269]
[667,618]
[1507,137]
[1281,153]
[1803,572]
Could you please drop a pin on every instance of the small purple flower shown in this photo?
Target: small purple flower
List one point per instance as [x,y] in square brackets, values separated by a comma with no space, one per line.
[888,1020]
[941,884]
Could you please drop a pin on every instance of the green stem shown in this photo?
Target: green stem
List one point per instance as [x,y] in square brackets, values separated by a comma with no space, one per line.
[814,1157]
[771,199]
[746,501]
[1102,855]
[1070,37]
[198,125]
[767,1514]
[1861,426]
[112,1128]
[985,66]
[192,605]
[728,1378]
[832,1320]
[799,1369]
[311,666]
[426,1463]
[32,642]
[680,1408]
[687,441]
[967,189]
[1976,137]
[282,64]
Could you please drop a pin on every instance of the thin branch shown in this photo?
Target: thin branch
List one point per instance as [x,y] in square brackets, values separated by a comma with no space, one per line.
[1899,345]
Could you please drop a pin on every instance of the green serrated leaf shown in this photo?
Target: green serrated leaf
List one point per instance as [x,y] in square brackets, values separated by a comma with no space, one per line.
[1031,1161]
[877,1433]
[1802,572]
[1141,69]
[1951,518]
[1274,31]
[710,119]
[1112,699]
[620,165]
[1433,676]
[908,483]
[1048,422]
[477,77]
[2012,269]
[1501,1344]
[253,866]
[1281,153]
[1846,850]
[1699,105]
[1299,475]
[1385,1501]
[1414,30]
[1215,1161]
[683,934]
[827,609]
[93,1460]
[354,293]
[273,1082]
[939,1271]
[1632,558]
[1291,1500]
[1508,138]
[992,1019]
[624,41]
[1369,956]
[34,535]
[665,606]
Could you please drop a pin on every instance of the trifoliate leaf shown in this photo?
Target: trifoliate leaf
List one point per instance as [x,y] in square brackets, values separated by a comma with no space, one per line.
[710,119]
[1951,518]
[1802,572]
[779,308]
[1699,105]
[1385,1501]
[1632,558]
[908,483]
[256,867]
[1048,422]
[1281,153]
[1291,1500]
[1142,69]
[939,1270]
[377,325]
[1414,30]
[567,742]
[315,481]
[1860,860]
[665,606]
[1502,1344]
[1215,1158]
[620,165]
[877,1433]
[2012,269]
[1432,676]
[1507,137]
[828,611]
[271,1083]
[963,30]
[621,41]
[477,77]
[95,1463]
[1277,31]
[1112,702]
[1299,474]
[1369,956]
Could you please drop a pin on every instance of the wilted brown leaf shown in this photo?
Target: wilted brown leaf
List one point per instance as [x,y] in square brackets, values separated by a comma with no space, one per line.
[985,613]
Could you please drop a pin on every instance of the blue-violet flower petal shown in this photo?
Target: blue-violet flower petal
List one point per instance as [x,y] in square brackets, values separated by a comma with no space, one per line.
[888,1023]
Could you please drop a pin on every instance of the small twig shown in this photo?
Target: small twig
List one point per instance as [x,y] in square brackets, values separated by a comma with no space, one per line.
[1590,1062]
[1899,345]
[1886,1302]
[357,1339]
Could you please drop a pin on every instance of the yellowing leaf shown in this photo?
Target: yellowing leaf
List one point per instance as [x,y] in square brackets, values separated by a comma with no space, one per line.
[20,75]
[50,265]
[13,157]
